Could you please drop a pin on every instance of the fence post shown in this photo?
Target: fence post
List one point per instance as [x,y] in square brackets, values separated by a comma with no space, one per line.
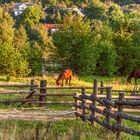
[32,84]
[31,88]
[42,98]
[108,107]
[95,91]
[102,87]
[119,119]
[76,102]
[83,104]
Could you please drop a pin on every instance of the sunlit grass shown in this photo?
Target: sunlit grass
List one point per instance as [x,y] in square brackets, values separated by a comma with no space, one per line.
[117,83]
[60,129]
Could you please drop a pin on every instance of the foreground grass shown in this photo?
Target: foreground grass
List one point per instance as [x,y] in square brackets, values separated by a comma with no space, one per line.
[60,130]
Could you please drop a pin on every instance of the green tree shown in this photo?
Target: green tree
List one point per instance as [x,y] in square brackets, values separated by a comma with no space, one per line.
[107,56]
[10,57]
[115,16]
[96,10]
[127,45]
[15,64]
[74,45]
[21,39]
[6,27]
[32,15]
[41,48]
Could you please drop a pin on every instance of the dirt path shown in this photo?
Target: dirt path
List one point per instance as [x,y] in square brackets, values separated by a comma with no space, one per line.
[35,115]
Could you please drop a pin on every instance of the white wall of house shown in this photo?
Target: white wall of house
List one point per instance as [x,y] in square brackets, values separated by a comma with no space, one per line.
[20,7]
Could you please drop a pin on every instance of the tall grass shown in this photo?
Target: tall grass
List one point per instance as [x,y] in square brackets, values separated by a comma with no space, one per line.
[56,130]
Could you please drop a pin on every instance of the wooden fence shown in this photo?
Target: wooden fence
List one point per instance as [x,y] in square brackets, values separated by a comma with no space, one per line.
[88,106]
[38,94]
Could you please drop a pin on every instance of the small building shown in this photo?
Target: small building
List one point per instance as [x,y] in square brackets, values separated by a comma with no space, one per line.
[20,7]
[52,27]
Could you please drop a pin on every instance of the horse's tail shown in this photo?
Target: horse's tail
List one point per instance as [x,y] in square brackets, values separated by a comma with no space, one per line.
[130,76]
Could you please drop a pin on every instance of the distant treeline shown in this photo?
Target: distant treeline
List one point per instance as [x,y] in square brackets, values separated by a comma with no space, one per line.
[105,41]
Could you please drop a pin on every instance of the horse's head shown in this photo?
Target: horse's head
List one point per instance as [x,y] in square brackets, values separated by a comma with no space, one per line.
[129,79]
[131,74]
[57,82]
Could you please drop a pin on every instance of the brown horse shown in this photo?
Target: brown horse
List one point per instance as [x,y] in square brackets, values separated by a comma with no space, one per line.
[135,73]
[64,75]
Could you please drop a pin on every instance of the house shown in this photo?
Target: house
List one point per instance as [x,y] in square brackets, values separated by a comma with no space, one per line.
[20,7]
[78,11]
[52,27]
[75,10]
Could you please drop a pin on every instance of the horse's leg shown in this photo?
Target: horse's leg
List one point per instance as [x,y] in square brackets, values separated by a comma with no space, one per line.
[70,81]
[62,82]
[66,81]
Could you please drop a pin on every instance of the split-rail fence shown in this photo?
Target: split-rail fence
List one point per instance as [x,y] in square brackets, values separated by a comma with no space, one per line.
[89,106]
[38,94]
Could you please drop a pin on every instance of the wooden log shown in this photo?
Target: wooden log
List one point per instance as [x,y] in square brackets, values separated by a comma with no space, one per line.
[108,107]
[16,101]
[95,91]
[72,87]
[32,88]
[83,117]
[32,85]
[131,103]
[119,119]
[16,92]
[17,85]
[86,87]
[125,109]
[128,116]
[116,97]
[102,87]
[59,95]
[126,130]
[131,110]
[28,97]
[76,102]
[42,98]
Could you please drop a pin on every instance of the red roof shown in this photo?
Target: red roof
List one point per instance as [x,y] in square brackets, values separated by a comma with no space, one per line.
[50,26]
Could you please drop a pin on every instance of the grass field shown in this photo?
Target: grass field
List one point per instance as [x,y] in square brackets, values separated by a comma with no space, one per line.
[64,129]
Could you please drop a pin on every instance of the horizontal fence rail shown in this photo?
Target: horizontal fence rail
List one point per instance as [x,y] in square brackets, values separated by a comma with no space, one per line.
[18,85]
[16,92]
[43,91]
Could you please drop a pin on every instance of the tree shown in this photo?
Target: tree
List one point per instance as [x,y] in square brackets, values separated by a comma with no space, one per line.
[21,38]
[6,27]
[96,10]
[15,64]
[74,45]
[115,16]
[107,56]
[41,48]
[32,15]
[10,57]
[135,27]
